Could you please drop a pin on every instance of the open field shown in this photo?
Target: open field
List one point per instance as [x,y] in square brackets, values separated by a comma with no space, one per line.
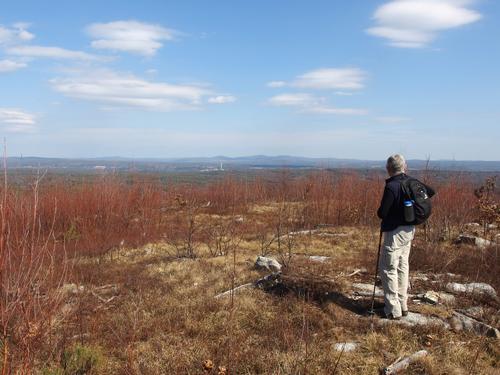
[117,275]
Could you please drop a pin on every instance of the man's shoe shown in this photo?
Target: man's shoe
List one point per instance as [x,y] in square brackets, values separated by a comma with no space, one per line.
[404,312]
[392,317]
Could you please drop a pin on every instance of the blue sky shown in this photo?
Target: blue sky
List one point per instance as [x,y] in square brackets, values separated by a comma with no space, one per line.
[347,79]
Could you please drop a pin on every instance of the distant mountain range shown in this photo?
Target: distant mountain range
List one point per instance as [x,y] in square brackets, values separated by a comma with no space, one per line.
[237,163]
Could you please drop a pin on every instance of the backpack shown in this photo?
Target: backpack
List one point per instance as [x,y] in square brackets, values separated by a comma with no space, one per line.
[415,191]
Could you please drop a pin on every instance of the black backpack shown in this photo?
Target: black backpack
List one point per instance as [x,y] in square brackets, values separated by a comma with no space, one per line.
[415,191]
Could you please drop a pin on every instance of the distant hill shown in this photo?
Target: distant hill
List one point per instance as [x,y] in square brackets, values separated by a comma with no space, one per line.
[237,163]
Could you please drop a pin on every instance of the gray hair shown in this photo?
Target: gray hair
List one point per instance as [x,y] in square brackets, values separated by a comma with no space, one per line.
[396,164]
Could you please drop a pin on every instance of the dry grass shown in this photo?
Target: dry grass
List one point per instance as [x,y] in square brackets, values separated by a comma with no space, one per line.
[165,319]
[158,313]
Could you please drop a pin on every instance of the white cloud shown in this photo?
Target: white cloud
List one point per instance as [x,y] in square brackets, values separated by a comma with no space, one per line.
[294,100]
[113,89]
[332,78]
[308,103]
[130,36]
[415,23]
[222,99]
[15,34]
[51,52]
[10,66]
[275,84]
[16,120]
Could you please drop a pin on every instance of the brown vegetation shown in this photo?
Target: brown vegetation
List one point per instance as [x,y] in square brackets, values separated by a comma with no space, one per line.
[141,259]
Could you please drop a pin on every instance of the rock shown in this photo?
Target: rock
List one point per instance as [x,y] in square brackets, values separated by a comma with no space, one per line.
[270,282]
[366,290]
[476,312]
[346,346]
[416,319]
[329,234]
[462,322]
[420,277]
[303,232]
[473,240]
[317,232]
[482,243]
[479,289]
[492,226]
[431,297]
[446,298]
[71,289]
[437,297]
[472,225]
[318,258]
[239,219]
[269,264]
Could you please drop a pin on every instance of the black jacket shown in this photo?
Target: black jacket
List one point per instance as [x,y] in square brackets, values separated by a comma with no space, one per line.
[391,209]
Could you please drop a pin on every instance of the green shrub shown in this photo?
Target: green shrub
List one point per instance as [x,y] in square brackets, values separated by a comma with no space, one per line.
[80,360]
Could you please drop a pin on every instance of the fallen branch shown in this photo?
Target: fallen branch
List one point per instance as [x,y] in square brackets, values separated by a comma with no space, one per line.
[355,272]
[263,283]
[402,364]
[228,292]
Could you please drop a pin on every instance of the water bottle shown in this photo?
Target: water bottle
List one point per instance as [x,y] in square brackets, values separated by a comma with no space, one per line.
[409,211]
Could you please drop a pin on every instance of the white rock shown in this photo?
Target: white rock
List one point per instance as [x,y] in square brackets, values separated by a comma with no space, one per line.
[269,264]
[472,225]
[303,232]
[346,346]
[437,297]
[431,297]
[473,240]
[482,243]
[318,258]
[472,288]
[71,288]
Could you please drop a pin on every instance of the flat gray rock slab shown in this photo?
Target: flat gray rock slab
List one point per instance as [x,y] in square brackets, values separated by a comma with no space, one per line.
[462,322]
[416,319]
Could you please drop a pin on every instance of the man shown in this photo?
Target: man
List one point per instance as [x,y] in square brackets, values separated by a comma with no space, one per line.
[398,235]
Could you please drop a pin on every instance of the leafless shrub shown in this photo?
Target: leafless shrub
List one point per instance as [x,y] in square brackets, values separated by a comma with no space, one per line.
[221,235]
[32,267]
[185,227]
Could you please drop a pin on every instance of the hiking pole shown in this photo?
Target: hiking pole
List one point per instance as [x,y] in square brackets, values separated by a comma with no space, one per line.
[372,312]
